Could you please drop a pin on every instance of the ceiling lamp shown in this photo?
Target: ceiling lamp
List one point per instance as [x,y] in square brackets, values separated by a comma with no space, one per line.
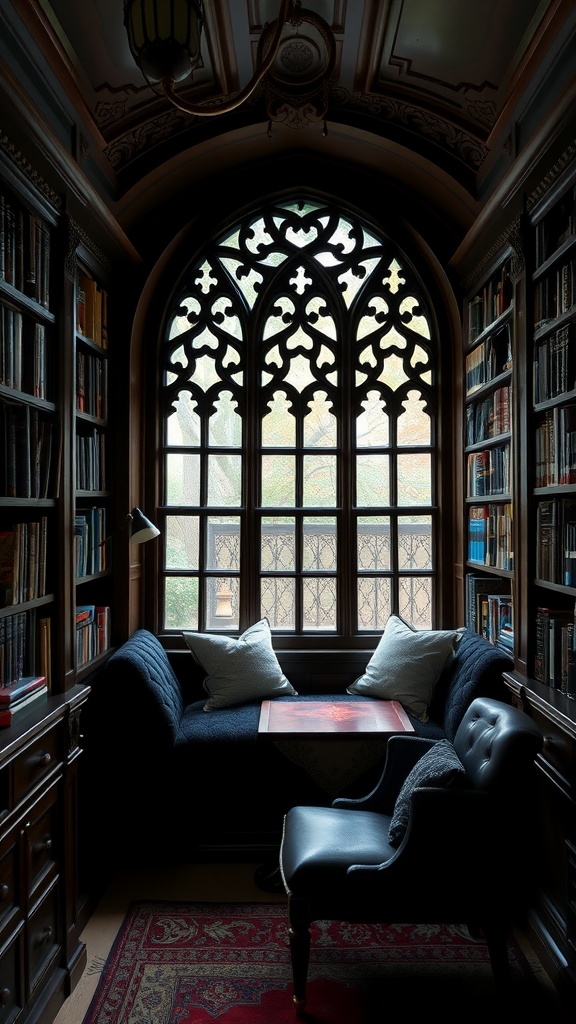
[164,39]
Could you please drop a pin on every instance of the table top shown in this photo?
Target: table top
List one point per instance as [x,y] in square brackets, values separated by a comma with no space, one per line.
[365,719]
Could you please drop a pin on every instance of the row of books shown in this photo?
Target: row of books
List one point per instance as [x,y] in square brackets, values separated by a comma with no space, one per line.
[91,309]
[91,384]
[555,655]
[556,541]
[489,609]
[488,418]
[555,443]
[25,646]
[555,294]
[554,371]
[23,555]
[20,696]
[91,461]
[30,462]
[92,632]
[24,251]
[490,535]
[490,358]
[494,299]
[488,471]
[91,542]
[23,363]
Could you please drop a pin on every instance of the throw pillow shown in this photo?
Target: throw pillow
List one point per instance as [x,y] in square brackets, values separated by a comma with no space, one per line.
[407,664]
[239,670]
[439,766]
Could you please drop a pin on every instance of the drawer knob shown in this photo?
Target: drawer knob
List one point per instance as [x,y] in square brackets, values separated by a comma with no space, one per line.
[5,995]
[43,845]
[46,937]
[44,759]
[4,890]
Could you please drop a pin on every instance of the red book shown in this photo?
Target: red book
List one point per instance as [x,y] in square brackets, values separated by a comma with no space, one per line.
[20,688]
[27,701]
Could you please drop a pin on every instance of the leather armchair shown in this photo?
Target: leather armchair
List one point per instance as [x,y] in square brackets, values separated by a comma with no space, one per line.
[464,858]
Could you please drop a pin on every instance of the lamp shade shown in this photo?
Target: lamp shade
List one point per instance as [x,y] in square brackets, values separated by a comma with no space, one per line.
[141,528]
[164,36]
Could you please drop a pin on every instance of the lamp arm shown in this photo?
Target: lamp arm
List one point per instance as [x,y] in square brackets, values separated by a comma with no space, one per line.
[224,108]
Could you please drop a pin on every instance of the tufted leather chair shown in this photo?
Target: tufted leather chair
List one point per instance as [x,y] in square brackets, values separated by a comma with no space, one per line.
[464,856]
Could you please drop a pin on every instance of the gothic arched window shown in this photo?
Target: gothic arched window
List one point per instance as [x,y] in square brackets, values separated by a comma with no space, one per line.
[298,405]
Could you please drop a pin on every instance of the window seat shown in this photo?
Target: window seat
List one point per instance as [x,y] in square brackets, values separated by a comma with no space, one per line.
[182,783]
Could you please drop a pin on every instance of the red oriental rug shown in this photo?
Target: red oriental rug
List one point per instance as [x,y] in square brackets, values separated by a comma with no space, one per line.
[229,963]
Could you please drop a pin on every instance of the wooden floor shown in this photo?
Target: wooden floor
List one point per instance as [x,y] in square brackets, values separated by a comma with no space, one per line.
[204,882]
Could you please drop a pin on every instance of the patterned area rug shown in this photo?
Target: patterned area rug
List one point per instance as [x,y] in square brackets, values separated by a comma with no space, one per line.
[229,963]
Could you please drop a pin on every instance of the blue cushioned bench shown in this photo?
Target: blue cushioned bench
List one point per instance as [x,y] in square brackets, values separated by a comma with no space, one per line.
[181,781]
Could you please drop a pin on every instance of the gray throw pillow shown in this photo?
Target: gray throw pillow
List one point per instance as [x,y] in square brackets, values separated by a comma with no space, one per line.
[239,670]
[439,766]
[407,664]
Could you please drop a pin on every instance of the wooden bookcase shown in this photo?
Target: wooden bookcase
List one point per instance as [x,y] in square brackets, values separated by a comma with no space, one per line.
[41,955]
[488,453]
[92,512]
[543,683]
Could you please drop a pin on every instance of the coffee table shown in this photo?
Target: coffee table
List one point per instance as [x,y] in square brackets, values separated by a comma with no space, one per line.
[368,719]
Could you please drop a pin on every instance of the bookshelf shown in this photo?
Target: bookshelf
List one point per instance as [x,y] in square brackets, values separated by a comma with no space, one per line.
[92,513]
[553,424]
[41,698]
[488,448]
[30,463]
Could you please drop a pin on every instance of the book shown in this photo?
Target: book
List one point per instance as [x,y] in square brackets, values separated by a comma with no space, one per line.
[45,649]
[7,567]
[85,614]
[7,713]
[14,692]
[477,586]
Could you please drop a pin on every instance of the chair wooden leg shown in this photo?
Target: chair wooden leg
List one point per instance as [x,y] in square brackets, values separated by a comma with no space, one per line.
[299,934]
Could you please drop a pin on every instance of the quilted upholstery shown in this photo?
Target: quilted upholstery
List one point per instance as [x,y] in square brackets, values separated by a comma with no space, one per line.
[140,672]
[206,774]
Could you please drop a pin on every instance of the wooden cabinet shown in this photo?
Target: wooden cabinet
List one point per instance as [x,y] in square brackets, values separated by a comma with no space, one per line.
[41,956]
[54,431]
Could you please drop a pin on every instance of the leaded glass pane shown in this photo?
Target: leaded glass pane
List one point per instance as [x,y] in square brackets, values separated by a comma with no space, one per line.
[414,479]
[182,479]
[373,543]
[225,480]
[182,534]
[320,603]
[222,603]
[374,602]
[415,597]
[278,553]
[223,542]
[278,484]
[181,602]
[319,550]
[183,425]
[225,426]
[415,542]
[414,423]
[278,425]
[372,480]
[277,602]
[320,484]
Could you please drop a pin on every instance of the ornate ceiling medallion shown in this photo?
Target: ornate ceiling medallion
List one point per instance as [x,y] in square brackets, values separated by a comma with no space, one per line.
[297,86]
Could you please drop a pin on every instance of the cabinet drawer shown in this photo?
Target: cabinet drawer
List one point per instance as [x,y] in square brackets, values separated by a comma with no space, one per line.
[42,842]
[43,937]
[35,763]
[11,993]
[9,899]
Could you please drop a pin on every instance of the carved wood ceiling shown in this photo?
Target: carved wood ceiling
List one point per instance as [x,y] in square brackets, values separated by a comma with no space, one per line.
[432,75]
